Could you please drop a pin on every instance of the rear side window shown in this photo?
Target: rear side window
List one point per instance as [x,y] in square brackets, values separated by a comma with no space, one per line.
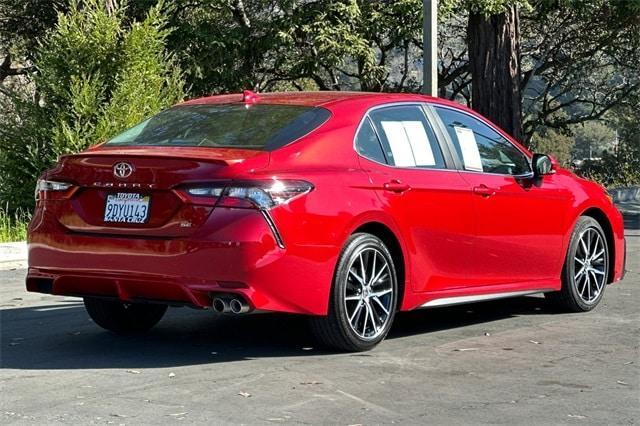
[480,147]
[368,144]
[407,138]
[259,127]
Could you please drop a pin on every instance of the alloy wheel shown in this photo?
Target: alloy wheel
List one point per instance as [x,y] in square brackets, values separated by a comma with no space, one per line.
[368,295]
[590,265]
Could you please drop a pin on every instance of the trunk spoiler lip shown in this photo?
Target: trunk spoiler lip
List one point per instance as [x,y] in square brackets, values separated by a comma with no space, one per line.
[227,156]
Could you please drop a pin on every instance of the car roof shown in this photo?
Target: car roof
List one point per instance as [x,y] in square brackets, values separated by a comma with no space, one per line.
[314,99]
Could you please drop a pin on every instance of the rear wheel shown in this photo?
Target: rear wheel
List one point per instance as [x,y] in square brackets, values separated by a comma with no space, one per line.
[586,268]
[124,318]
[363,298]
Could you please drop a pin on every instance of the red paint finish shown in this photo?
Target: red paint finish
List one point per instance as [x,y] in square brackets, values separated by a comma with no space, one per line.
[459,232]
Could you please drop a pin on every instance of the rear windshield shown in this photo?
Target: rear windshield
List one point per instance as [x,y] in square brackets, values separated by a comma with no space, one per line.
[259,127]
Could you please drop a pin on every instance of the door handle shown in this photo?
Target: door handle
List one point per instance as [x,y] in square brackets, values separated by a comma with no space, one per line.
[484,191]
[396,186]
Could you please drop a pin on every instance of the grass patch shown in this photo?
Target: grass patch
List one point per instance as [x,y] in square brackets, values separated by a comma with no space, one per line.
[13,227]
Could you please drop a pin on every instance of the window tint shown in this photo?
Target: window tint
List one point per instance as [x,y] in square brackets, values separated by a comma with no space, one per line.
[261,127]
[368,144]
[407,138]
[480,147]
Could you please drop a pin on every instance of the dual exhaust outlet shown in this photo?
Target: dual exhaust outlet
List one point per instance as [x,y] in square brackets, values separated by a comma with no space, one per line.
[230,305]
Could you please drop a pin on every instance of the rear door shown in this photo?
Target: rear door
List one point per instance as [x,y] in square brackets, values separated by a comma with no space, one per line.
[430,202]
[520,222]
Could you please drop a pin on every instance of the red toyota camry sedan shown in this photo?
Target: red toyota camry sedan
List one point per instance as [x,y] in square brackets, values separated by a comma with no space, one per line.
[346,207]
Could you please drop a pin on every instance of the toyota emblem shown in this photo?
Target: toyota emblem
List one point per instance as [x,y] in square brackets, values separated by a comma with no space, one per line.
[122,170]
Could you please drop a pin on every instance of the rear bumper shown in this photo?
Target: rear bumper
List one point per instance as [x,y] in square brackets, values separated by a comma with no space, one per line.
[235,252]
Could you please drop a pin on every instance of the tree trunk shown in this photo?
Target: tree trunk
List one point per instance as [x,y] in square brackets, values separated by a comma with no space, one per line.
[494,59]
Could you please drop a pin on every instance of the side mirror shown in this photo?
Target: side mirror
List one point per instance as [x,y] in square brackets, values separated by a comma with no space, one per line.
[542,165]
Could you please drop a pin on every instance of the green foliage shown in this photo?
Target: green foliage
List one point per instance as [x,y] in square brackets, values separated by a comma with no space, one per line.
[285,44]
[97,75]
[24,22]
[613,170]
[84,43]
[13,226]
[549,141]
[484,7]
[592,139]
[620,166]
[25,149]
[147,81]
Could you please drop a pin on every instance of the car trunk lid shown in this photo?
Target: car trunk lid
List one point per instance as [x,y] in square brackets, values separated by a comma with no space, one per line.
[151,182]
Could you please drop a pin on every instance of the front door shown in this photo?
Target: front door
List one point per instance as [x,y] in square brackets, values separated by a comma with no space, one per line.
[520,222]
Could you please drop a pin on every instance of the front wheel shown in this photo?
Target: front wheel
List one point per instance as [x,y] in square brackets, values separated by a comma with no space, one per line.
[124,318]
[586,268]
[363,298]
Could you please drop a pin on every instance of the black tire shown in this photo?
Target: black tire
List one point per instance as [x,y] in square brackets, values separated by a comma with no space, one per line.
[124,318]
[569,298]
[335,329]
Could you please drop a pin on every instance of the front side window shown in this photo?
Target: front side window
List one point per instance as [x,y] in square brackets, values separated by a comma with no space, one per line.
[406,137]
[480,147]
[260,127]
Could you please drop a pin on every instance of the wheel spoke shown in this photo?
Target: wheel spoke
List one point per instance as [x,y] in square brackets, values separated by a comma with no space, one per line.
[596,271]
[375,299]
[581,262]
[355,312]
[362,270]
[598,255]
[579,273]
[373,319]
[373,268]
[597,245]
[582,287]
[354,297]
[600,283]
[377,276]
[381,293]
[585,251]
[366,319]
[357,277]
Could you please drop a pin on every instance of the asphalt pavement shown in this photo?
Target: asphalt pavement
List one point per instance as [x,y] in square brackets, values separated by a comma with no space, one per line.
[503,362]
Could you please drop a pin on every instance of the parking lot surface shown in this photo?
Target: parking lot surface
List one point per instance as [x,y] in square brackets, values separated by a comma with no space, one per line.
[505,362]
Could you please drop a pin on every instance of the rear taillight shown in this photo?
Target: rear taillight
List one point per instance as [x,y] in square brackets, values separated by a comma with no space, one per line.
[252,194]
[52,189]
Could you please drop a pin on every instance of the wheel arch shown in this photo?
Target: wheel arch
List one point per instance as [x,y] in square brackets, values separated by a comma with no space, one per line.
[392,242]
[600,216]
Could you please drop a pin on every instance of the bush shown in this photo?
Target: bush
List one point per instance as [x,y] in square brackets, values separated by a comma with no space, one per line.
[622,166]
[13,227]
[612,170]
[97,75]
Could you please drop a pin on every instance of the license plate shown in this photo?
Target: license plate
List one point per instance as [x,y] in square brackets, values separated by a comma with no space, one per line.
[126,207]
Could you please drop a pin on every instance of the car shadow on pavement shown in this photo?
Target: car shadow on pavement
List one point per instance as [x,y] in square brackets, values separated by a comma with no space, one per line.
[61,336]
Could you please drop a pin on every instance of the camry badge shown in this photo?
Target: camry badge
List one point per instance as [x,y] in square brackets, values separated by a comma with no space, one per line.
[122,170]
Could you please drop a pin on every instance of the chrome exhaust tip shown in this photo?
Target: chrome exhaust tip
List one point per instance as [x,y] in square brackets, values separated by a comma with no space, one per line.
[238,306]
[221,305]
